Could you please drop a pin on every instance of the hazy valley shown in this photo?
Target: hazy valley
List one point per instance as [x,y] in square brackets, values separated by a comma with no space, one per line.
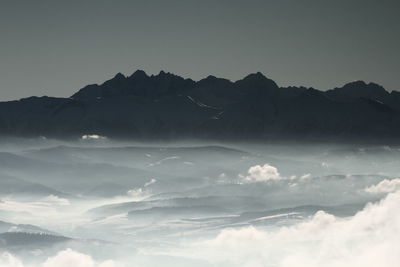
[98,202]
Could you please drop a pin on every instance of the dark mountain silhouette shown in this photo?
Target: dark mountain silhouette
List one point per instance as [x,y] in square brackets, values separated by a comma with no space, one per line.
[169,106]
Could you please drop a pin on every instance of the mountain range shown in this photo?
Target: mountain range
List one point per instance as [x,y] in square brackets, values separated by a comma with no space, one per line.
[168,106]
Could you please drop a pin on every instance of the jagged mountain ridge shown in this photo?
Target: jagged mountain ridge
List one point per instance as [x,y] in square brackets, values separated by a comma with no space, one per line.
[169,106]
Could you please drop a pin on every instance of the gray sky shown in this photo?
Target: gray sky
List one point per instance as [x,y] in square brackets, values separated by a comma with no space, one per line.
[54,47]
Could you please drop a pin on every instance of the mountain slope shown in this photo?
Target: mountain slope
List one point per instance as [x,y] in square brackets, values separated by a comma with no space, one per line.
[169,106]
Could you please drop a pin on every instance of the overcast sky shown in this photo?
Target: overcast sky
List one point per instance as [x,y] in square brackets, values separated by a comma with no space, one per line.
[56,47]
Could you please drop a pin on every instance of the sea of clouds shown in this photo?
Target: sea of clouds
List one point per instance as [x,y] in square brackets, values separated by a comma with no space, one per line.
[199,205]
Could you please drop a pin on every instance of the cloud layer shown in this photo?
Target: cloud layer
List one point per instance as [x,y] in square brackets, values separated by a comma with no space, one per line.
[65,258]
[371,238]
[385,186]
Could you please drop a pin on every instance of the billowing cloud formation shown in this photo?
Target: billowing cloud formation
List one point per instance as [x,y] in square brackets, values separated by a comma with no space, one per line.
[8,260]
[65,258]
[192,216]
[264,173]
[371,238]
[385,186]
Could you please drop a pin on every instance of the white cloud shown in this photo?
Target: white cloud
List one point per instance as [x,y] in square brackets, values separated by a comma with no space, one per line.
[385,186]
[64,258]
[109,263]
[236,237]
[371,238]
[264,173]
[68,258]
[8,260]
[93,137]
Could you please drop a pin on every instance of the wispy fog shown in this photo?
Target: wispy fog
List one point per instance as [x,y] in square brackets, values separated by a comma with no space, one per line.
[96,202]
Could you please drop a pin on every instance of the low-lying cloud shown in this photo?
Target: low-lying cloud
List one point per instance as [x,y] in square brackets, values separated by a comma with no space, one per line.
[64,258]
[385,186]
[263,173]
[93,137]
[69,258]
[8,260]
[371,238]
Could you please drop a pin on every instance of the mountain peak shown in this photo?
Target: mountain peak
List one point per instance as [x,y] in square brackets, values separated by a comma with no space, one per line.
[255,76]
[361,86]
[210,77]
[257,80]
[119,76]
[356,83]
[359,89]
[164,74]
[139,74]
